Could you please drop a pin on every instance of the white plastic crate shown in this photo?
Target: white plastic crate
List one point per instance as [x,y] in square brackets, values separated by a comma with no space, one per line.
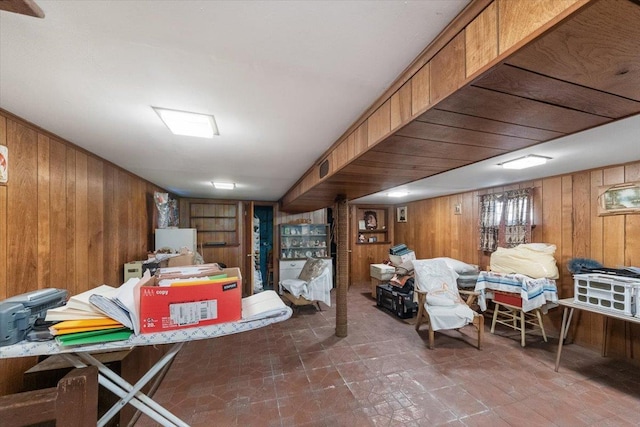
[612,293]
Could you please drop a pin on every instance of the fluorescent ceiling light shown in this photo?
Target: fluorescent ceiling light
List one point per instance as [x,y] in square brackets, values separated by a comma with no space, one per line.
[224,185]
[397,194]
[525,162]
[189,124]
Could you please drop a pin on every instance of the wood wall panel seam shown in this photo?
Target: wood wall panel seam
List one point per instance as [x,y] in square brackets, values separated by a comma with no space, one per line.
[44,213]
[3,218]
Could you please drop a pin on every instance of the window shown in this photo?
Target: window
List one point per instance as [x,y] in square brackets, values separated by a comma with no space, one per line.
[505,219]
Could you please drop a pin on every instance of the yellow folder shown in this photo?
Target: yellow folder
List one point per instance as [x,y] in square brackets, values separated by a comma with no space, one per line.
[66,331]
[83,323]
[204,281]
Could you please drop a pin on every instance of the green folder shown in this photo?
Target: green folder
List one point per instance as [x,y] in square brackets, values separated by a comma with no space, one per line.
[94,337]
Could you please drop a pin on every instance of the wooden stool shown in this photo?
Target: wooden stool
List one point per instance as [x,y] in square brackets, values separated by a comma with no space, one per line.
[514,317]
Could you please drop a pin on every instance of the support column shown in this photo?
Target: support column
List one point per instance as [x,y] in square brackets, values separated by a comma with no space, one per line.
[341,227]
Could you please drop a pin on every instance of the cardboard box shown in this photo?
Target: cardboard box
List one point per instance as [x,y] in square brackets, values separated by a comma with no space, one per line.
[382,272]
[181,260]
[166,308]
[374,284]
[399,259]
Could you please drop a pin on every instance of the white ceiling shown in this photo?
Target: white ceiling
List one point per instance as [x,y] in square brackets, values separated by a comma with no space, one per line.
[284,80]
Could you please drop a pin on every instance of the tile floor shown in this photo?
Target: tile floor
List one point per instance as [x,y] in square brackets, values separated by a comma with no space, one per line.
[298,373]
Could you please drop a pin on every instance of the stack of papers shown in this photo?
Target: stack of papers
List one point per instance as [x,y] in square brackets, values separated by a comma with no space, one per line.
[122,304]
[263,305]
[78,307]
[101,307]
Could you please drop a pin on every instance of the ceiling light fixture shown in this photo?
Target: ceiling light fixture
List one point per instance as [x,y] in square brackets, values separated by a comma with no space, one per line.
[189,124]
[397,194]
[525,162]
[224,185]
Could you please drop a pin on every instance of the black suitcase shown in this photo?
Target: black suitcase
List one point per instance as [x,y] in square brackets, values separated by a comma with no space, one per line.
[403,306]
[396,301]
[384,296]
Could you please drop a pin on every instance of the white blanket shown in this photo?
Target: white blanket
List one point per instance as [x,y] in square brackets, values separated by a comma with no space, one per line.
[434,276]
[535,293]
[319,289]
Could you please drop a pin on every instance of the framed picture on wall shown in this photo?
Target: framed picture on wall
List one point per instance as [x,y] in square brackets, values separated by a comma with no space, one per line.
[401,214]
[371,220]
[4,164]
[619,199]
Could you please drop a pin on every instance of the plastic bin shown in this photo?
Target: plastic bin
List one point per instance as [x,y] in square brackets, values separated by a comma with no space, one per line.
[613,293]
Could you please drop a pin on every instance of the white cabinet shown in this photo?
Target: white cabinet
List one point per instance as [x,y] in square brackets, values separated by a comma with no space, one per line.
[290,269]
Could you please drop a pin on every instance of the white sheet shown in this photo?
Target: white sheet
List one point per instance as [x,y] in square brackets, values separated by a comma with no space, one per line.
[318,290]
[431,274]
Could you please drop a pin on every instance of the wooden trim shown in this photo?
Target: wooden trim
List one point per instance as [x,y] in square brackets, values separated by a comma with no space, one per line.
[23,7]
[457,25]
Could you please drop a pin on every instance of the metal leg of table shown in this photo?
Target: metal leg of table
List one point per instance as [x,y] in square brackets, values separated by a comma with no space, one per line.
[567,314]
[605,335]
[131,393]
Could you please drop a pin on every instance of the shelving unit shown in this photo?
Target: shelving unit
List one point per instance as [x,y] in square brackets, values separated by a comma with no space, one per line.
[301,241]
[217,223]
[372,225]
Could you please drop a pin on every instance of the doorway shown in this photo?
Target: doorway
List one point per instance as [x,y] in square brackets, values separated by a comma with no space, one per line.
[264,214]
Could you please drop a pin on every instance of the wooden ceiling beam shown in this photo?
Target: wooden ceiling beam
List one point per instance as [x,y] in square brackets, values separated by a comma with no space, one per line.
[23,7]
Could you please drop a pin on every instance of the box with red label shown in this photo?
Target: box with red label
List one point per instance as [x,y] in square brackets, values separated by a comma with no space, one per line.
[186,305]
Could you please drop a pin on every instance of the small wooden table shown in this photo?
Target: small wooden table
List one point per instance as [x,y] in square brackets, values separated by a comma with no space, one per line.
[569,305]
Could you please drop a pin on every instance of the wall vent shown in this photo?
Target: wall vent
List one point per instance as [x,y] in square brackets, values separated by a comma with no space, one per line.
[324,168]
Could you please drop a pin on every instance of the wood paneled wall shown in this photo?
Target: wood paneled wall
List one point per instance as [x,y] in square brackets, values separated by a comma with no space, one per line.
[68,219]
[565,214]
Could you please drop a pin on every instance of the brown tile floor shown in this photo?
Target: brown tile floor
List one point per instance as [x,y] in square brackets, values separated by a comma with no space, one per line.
[298,373]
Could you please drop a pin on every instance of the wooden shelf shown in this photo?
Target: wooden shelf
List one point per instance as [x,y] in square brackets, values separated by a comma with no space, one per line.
[299,241]
[375,216]
[216,222]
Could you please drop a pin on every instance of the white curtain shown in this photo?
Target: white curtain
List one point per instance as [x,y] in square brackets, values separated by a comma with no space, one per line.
[505,219]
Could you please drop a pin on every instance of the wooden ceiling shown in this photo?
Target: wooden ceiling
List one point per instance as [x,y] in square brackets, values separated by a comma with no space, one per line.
[583,73]
[23,7]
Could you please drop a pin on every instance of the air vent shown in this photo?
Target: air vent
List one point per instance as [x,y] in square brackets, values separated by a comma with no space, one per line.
[324,168]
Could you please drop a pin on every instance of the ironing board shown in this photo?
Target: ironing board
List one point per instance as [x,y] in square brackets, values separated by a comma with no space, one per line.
[130,393]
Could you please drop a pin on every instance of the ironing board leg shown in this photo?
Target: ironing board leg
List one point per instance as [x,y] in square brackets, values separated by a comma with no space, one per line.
[131,393]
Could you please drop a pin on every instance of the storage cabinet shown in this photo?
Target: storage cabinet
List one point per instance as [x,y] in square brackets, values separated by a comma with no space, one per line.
[290,269]
[302,241]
